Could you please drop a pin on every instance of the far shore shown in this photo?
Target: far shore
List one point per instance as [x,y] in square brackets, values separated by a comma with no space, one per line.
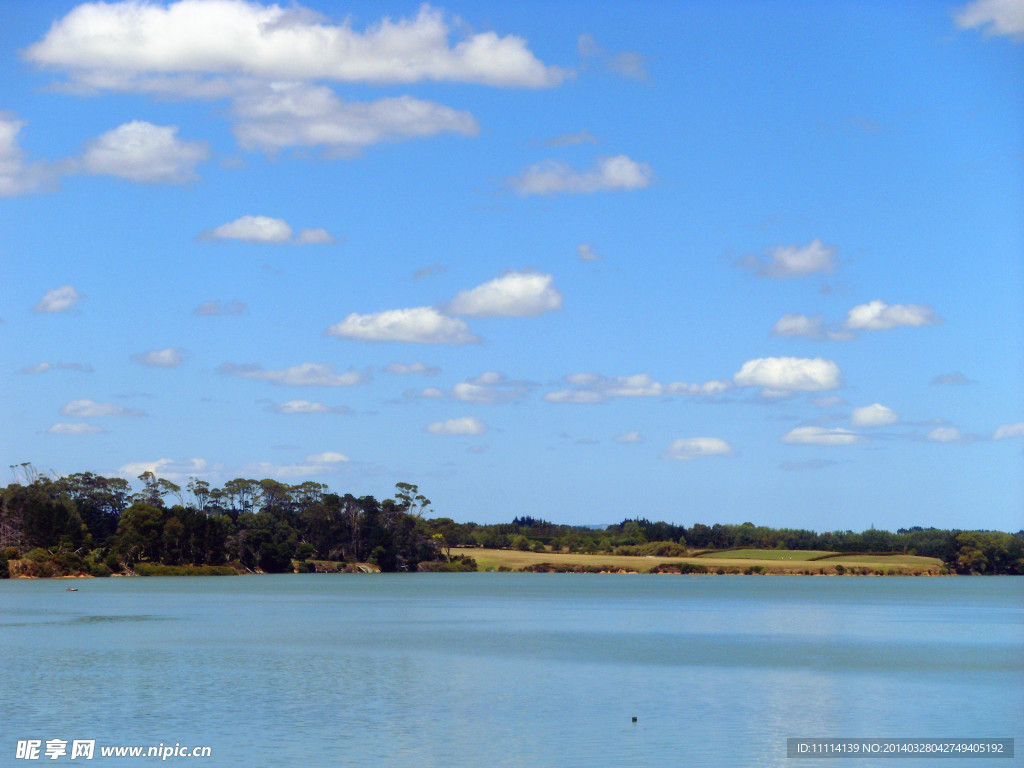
[771,562]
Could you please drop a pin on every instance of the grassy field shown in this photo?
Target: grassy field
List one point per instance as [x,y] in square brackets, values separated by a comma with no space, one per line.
[514,560]
[768,554]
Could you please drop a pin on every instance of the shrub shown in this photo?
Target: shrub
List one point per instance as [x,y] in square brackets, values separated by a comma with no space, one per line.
[5,571]
[840,569]
[754,570]
[99,570]
[305,566]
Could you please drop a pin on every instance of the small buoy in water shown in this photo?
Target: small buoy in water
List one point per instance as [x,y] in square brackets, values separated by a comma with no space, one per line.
[634,718]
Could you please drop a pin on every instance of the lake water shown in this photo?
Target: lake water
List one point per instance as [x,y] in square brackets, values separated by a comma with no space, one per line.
[493,669]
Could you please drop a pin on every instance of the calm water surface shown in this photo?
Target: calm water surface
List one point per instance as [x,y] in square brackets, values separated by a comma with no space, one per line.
[509,669]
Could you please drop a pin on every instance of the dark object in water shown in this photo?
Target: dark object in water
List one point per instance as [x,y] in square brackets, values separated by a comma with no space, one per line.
[634,718]
[71,589]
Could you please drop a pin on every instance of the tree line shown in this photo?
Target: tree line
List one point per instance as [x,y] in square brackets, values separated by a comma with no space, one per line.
[100,525]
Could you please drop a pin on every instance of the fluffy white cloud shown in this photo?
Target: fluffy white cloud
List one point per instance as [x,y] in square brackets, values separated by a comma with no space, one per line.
[488,387]
[315,236]
[610,173]
[58,300]
[75,429]
[517,294]
[878,316]
[316,464]
[252,229]
[586,253]
[17,177]
[122,42]
[404,369]
[876,415]
[299,115]
[945,435]
[169,357]
[1005,431]
[142,152]
[794,260]
[688,448]
[418,325]
[595,388]
[799,325]
[175,471]
[996,17]
[821,436]
[633,436]
[788,374]
[302,375]
[578,396]
[211,308]
[90,409]
[292,407]
[808,328]
[467,425]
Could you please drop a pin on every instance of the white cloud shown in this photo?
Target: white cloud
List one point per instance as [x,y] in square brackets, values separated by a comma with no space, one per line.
[688,448]
[316,236]
[130,40]
[595,388]
[467,425]
[316,464]
[629,64]
[807,327]
[169,357]
[211,308]
[586,253]
[38,368]
[799,325]
[175,471]
[788,374]
[299,115]
[488,387]
[90,409]
[75,429]
[630,437]
[610,173]
[794,260]
[302,375]
[58,300]
[418,325]
[876,415]
[516,294]
[404,369]
[996,17]
[571,139]
[878,316]
[17,177]
[432,393]
[252,229]
[587,46]
[945,435]
[45,367]
[142,152]
[579,396]
[821,436]
[291,407]
[1005,431]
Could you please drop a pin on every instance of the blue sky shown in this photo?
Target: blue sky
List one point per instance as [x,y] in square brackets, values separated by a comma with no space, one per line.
[696,261]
